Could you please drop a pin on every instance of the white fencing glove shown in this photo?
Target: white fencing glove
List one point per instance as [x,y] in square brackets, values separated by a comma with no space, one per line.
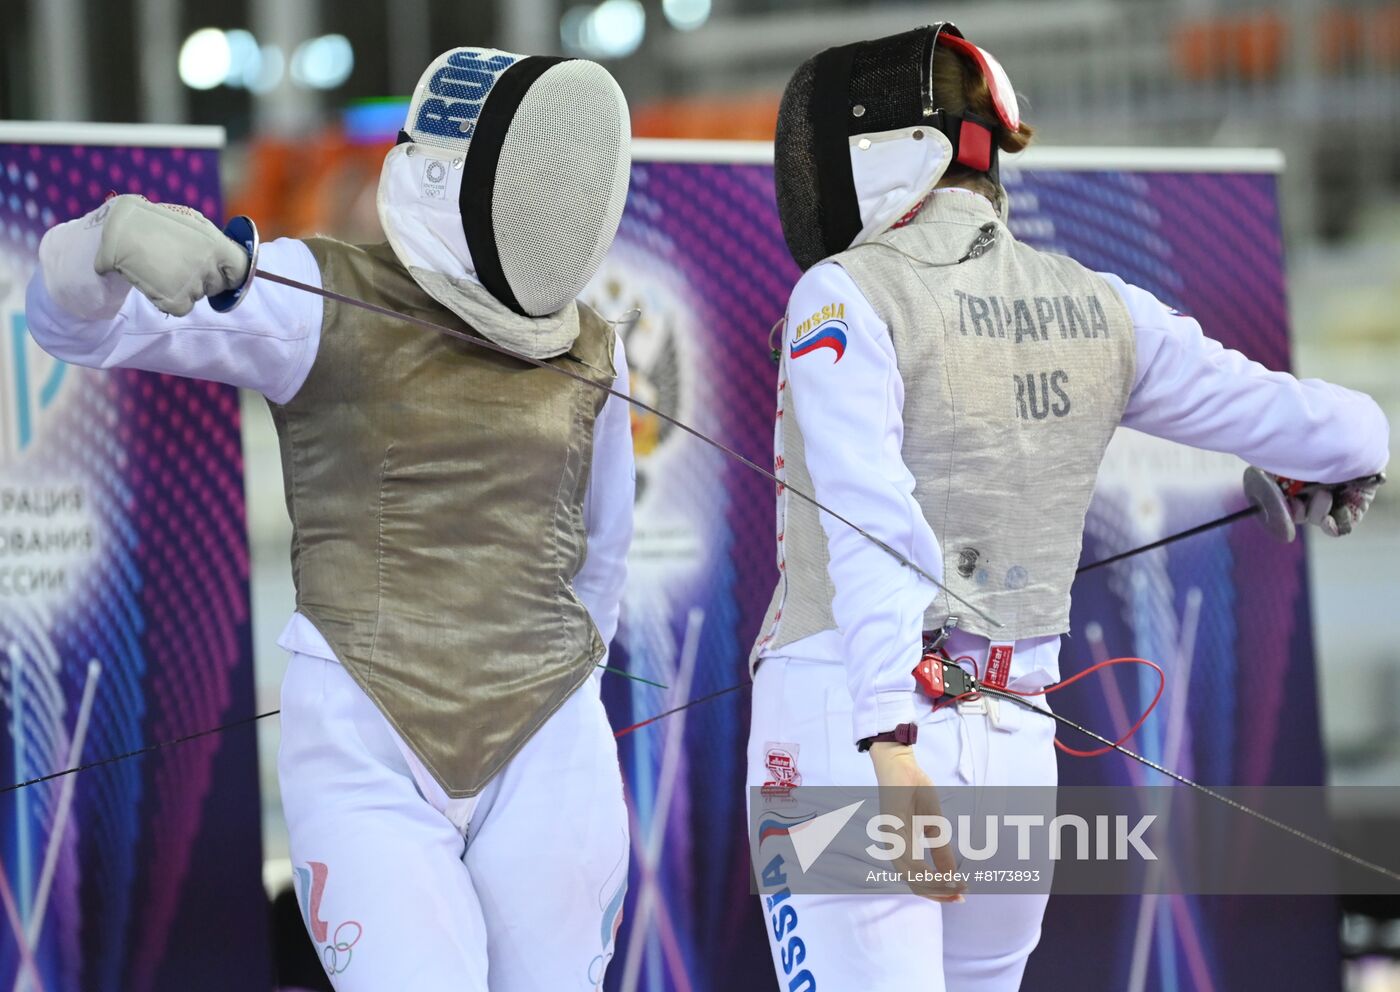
[1334,509]
[174,255]
[66,256]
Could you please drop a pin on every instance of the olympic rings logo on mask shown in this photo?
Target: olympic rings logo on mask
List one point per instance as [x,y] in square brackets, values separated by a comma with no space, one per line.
[330,955]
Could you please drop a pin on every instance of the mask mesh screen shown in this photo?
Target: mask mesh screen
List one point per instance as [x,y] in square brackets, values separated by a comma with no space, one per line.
[795,171]
[886,80]
[561,184]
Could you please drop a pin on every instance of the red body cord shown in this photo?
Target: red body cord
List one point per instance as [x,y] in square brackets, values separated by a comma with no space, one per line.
[1075,752]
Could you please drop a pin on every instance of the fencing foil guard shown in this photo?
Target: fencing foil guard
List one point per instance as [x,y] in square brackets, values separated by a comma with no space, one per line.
[505,190]
[861,140]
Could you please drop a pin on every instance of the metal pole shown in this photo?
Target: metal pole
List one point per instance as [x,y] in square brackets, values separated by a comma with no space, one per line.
[60,60]
[287,109]
[158,55]
[528,26]
[410,43]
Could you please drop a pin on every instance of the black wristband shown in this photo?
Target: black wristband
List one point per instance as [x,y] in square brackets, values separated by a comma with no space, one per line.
[905,733]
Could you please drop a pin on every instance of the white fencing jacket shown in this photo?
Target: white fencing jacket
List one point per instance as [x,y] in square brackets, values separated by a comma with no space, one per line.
[1188,388]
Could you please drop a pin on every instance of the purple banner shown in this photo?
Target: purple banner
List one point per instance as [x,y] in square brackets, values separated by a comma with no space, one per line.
[701,255]
[124,622]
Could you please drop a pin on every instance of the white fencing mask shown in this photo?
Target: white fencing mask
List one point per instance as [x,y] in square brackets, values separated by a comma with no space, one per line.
[506,188]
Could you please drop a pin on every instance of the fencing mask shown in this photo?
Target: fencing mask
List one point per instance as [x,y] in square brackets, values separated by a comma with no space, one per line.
[506,188]
[862,139]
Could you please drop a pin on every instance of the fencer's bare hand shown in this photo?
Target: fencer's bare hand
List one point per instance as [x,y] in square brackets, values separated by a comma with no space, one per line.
[906,792]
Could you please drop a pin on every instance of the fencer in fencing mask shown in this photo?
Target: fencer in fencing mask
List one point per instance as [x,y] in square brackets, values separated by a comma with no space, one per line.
[862,140]
[506,188]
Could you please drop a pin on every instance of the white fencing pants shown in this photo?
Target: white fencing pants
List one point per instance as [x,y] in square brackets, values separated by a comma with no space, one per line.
[517,889]
[895,943]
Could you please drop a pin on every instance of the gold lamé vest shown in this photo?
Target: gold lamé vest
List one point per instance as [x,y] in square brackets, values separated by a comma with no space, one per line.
[436,493]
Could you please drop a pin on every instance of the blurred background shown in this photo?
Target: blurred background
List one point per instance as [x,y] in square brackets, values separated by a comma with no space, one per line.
[311,93]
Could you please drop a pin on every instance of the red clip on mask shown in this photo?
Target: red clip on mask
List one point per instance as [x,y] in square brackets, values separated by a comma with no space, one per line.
[974,137]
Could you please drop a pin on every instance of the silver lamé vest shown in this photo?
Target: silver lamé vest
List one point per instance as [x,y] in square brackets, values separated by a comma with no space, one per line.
[1017,365]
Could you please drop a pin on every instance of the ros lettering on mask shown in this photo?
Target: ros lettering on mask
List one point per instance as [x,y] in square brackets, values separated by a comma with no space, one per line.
[459,92]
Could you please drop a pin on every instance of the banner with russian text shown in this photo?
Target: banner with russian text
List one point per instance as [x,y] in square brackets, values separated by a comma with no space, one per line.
[124,622]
